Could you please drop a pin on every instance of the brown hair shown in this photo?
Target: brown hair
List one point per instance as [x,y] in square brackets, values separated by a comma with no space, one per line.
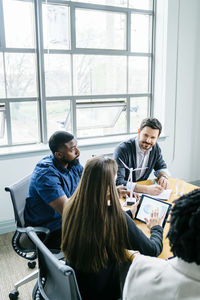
[94,228]
[152,123]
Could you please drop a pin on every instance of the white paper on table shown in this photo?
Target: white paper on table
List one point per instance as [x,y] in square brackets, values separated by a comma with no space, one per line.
[162,196]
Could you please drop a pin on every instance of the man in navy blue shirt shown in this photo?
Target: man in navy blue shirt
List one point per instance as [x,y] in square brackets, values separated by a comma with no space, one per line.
[53,181]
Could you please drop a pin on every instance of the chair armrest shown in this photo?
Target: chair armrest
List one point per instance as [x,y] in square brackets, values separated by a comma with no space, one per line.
[44,230]
[23,245]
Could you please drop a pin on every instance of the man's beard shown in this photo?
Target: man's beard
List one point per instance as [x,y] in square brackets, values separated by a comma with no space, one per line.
[73,162]
[145,146]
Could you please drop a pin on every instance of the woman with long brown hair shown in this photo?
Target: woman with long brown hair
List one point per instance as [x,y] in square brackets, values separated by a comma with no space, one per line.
[96,232]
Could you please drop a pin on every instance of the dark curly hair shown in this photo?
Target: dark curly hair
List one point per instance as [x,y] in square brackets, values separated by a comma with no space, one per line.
[184,232]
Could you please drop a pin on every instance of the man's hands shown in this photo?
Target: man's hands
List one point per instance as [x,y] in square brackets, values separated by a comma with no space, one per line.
[153,189]
[163,181]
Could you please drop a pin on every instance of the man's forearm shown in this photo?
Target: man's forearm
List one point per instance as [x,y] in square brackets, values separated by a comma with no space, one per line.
[148,189]
[59,203]
[139,188]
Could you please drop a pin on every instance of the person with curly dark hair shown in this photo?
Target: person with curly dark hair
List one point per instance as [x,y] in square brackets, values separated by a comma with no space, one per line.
[176,278]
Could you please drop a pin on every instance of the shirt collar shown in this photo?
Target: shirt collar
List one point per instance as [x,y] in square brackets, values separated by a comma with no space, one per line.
[138,149]
[58,165]
[189,269]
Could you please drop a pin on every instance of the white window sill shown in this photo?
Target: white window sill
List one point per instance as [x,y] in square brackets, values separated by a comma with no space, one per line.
[83,144]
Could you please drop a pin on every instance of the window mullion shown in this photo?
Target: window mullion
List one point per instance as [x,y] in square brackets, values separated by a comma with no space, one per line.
[8,123]
[73,47]
[2,29]
[40,68]
[152,75]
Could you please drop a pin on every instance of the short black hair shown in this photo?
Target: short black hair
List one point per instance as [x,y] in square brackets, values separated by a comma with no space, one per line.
[58,139]
[153,123]
[184,232]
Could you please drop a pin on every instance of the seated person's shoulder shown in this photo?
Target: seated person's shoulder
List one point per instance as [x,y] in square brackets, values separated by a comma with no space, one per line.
[142,263]
[145,271]
[157,147]
[44,177]
[125,145]
[44,164]
[44,170]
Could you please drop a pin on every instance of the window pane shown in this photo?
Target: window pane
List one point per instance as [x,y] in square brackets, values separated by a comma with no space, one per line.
[139,109]
[108,30]
[3,133]
[138,75]
[24,122]
[58,116]
[101,117]
[19,24]
[57,74]
[141,4]
[55,26]
[140,33]
[122,3]
[20,75]
[2,81]
[99,74]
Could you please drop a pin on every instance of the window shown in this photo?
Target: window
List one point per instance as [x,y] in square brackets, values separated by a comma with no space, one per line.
[81,66]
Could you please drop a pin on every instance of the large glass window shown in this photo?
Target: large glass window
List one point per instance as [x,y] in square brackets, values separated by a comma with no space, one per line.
[101,117]
[81,66]
[56,32]
[20,69]
[57,69]
[96,74]
[108,30]
[18,23]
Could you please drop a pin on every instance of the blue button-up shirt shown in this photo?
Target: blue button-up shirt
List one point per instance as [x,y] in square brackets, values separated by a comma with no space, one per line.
[49,181]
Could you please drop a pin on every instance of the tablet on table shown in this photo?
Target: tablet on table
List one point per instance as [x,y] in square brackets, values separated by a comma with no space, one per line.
[148,204]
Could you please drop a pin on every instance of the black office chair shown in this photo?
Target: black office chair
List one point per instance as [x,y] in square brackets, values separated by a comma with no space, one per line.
[56,280]
[22,245]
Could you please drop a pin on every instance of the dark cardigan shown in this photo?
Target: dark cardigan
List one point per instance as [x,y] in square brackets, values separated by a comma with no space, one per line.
[126,151]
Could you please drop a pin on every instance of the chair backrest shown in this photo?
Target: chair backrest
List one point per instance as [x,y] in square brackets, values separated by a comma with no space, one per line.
[56,280]
[18,192]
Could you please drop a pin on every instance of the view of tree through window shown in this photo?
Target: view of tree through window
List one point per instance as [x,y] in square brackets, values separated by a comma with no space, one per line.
[81,66]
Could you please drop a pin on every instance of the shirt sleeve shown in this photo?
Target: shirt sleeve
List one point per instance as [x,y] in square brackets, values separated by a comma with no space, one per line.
[139,241]
[49,187]
[162,170]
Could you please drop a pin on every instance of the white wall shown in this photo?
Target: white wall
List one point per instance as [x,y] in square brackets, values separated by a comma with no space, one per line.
[182,90]
[181,100]
[14,169]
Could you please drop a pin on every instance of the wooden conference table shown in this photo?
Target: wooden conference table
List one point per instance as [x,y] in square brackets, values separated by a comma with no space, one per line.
[176,185]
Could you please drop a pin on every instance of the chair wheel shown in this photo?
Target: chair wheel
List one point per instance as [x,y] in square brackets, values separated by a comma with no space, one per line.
[13,295]
[31,264]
